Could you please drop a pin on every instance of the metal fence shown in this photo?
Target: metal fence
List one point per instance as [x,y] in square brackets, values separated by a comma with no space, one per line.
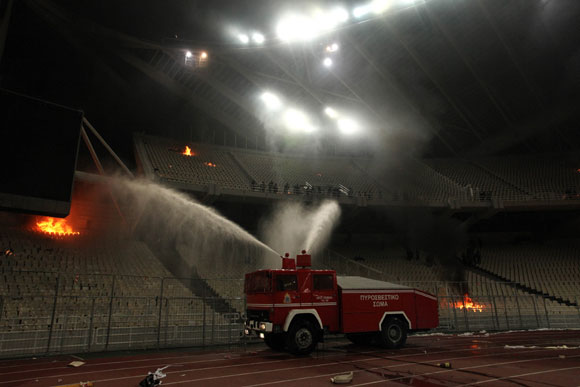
[89,313]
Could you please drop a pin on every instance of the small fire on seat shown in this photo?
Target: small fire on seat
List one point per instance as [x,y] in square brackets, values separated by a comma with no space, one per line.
[54,226]
[187,151]
[210,164]
[468,304]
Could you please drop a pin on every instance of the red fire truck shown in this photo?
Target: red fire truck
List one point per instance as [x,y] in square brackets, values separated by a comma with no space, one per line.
[293,308]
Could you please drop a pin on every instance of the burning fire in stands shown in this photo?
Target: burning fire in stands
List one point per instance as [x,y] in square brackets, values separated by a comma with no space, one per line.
[210,164]
[187,151]
[468,304]
[54,226]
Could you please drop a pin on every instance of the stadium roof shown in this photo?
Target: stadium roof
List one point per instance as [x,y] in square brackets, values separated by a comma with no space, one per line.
[448,77]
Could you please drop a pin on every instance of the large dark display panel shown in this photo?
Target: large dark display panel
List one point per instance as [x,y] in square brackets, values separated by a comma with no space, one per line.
[39,146]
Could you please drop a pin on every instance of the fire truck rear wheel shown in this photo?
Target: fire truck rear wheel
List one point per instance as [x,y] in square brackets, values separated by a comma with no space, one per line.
[301,338]
[276,341]
[394,333]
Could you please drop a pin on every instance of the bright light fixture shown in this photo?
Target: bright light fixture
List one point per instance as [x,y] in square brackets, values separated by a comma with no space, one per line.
[327,62]
[295,120]
[361,11]
[294,28]
[332,47]
[331,112]
[347,126]
[203,55]
[340,14]
[380,6]
[258,38]
[271,100]
[244,38]
[188,54]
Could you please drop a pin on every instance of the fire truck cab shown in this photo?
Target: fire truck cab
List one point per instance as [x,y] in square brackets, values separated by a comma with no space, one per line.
[294,307]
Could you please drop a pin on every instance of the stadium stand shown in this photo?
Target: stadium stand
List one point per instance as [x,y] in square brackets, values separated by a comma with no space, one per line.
[513,178]
[79,270]
[552,270]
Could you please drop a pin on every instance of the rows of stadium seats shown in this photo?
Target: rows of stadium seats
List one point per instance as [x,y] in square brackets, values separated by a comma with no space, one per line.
[544,177]
[39,268]
[552,270]
[395,266]
[547,177]
[414,180]
[205,166]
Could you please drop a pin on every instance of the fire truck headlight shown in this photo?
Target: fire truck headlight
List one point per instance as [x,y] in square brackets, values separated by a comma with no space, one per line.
[262,326]
[262,335]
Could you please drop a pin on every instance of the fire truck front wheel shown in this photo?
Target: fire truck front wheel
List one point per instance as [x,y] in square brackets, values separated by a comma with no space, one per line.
[394,333]
[275,341]
[301,338]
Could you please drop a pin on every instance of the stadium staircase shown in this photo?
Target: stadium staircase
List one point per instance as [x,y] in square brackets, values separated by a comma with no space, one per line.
[496,277]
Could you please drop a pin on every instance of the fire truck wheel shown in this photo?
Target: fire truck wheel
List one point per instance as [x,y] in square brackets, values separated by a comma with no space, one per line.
[361,338]
[301,338]
[394,333]
[276,341]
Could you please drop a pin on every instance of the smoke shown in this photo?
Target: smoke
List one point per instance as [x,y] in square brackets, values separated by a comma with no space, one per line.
[293,226]
[187,233]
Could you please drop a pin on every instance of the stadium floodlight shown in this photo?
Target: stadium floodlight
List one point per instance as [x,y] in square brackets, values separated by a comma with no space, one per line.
[340,15]
[271,101]
[188,54]
[203,55]
[295,120]
[330,112]
[380,6]
[243,38]
[348,126]
[294,28]
[361,11]
[332,47]
[258,38]
[327,62]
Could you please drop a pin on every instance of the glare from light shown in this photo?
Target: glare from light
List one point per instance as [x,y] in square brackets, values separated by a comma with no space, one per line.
[271,100]
[327,62]
[347,126]
[203,55]
[340,14]
[188,54]
[244,38]
[294,28]
[330,112]
[332,47]
[361,11]
[258,38]
[380,6]
[295,120]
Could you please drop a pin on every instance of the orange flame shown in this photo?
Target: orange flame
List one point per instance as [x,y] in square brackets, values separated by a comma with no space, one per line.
[54,226]
[210,164]
[187,151]
[468,304]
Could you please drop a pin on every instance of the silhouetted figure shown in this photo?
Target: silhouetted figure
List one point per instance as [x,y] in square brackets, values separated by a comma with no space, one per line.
[263,186]
[275,187]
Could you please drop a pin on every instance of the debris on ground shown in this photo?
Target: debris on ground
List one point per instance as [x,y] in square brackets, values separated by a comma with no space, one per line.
[342,379]
[153,378]
[76,363]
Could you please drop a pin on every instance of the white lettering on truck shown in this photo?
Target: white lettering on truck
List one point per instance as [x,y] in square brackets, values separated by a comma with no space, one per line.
[379,300]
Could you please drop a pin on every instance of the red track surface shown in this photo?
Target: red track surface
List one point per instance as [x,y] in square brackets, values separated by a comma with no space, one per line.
[479,359]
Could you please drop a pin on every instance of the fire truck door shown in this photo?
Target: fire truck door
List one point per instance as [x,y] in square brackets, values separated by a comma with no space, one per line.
[286,290]
[324,299]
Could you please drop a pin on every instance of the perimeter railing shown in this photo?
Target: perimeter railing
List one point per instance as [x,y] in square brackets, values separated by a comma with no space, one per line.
[48,313]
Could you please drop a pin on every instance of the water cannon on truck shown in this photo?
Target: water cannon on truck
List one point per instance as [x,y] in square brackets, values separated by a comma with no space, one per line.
[294,307]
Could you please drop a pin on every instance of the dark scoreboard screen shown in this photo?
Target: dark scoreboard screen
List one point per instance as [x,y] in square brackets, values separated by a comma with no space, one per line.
[39,143]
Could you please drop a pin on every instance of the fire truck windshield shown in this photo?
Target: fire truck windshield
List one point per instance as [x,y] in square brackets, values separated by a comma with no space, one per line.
[260,282]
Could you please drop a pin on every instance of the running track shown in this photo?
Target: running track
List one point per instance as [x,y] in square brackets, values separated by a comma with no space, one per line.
[479,359]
